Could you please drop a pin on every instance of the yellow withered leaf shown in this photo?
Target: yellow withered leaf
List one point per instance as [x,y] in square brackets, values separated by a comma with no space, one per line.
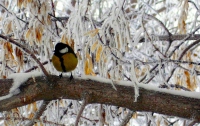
[31,115]
[28,33]
[92,33]
[67,41]
[8,27]
[64,39]
[29,107]
[95,32]
[190,81]
[34,105]
[49,20]
[89,65]
[118,42]
[94,46]
[98,53]
[87,70]
[87,55]
[19,3]
[71,43]
[29,1]
[134,115]
[108,75]
[79,56]
[187,75]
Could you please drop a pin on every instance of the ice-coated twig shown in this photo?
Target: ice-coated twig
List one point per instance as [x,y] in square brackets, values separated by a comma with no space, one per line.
[182,54]
[39,112]
[85,101]
[127,118]
[53,12]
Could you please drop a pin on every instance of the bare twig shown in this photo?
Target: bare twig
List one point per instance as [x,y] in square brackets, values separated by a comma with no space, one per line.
[127,118]
[12,14]
[85,102]
[35,67]
[53,10]
[175,86]
[39,112]
[182,54]
[189,1]
[27,119]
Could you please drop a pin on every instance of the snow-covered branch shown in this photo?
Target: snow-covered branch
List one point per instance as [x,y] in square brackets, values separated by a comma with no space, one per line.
[100,92]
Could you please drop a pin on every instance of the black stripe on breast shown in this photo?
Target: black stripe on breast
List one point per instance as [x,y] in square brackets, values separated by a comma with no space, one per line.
[62,64]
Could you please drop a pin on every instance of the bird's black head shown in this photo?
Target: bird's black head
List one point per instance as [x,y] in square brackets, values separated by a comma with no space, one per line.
[61,49]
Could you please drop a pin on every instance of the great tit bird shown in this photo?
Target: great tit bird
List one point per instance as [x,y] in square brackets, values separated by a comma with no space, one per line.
[64,58]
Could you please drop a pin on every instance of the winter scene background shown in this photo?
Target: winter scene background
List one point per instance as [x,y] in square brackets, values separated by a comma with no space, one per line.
[138,63]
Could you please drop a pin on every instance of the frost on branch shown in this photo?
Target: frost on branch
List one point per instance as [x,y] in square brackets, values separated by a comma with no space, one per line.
[18,80]
[131,41]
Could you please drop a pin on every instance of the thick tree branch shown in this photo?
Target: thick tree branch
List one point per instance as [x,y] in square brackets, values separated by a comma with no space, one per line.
[102,93]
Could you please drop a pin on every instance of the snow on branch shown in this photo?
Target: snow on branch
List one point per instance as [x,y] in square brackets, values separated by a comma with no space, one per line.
[150,98]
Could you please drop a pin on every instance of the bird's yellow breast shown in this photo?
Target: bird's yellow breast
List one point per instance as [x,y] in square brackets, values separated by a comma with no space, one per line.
[69,60]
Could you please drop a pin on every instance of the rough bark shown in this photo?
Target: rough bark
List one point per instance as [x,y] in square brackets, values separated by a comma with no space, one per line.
[56,88]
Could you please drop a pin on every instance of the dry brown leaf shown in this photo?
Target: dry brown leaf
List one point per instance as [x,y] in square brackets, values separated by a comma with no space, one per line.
[108,75]
[19,3]
[49,20]
[92,33]
[9,51]
[28,33]
[190,81]
[187,75]
[79,56]
[183,17]
[31,115]
[98,53]
[87,55]
[19,56]
[135,115]
[94,46]
[30,1]
[34,107]
[195,55]
[29,107]
[38,34]
[25,4]
[8,28]
[64,39]
[5,123]
[89,65]
[118,42]
[86,67]
[71,43]
[178,79]
[189,58]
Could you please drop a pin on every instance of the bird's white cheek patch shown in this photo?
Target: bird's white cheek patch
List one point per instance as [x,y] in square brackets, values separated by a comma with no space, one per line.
[65,50]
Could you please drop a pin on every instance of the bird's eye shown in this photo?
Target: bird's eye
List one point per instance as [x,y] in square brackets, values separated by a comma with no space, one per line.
[65,50]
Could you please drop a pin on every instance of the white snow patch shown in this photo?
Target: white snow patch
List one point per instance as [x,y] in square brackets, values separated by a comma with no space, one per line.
[19,79]
[145,86]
